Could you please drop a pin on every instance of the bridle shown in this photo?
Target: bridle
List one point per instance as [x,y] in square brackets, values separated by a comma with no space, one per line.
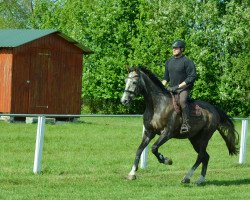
[129,91]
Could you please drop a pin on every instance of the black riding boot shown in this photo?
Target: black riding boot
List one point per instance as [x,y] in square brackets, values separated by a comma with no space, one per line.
[185,127]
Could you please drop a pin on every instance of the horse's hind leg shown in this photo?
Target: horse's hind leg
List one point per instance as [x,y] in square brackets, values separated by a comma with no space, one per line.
[204,169]
[200,145]
[188,176]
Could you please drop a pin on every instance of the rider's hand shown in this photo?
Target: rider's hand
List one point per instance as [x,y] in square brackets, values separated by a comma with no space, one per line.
[173,89]
[164,82]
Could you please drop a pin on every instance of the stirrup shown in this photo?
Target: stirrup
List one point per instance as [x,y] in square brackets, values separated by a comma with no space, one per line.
[184,128]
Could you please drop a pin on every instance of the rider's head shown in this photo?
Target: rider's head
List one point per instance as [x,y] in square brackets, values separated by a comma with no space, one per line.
[179,44]
[178,47]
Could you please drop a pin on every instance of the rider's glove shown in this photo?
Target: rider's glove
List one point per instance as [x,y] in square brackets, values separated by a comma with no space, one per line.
[173,89]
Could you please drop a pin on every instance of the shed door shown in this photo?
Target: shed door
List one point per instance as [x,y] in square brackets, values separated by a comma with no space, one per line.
[40,62]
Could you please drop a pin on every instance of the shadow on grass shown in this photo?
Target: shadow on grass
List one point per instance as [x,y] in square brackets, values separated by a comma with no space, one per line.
[229,182]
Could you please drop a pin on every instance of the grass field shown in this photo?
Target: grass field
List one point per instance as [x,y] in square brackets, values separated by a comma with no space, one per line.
[90,159]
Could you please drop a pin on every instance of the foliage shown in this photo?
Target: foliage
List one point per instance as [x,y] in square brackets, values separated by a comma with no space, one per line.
[140,32]
[235,81]
[15,14]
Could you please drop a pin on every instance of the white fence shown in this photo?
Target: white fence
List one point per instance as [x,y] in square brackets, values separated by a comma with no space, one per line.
[41,127]
[243,141]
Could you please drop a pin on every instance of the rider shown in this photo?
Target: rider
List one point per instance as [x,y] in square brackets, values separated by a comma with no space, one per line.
[180,74]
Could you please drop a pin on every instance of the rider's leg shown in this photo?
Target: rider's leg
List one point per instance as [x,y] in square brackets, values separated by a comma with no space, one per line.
[185,127]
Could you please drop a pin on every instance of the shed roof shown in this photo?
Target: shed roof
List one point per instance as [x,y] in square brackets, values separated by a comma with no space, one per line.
[16,37]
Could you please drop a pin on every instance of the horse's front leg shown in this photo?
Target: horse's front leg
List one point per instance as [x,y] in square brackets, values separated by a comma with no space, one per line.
[164,137]
[143,145]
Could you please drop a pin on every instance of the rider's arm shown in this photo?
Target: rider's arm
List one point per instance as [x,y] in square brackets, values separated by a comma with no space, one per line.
[191,72]
[166,75]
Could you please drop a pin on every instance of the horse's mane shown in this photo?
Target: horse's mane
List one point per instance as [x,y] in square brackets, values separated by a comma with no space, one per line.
[151,75]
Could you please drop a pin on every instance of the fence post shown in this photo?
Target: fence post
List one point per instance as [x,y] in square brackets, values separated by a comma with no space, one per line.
[144,155]
[39,145]
[243,141]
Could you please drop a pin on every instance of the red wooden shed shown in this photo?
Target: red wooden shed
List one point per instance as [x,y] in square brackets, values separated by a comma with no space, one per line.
[40,72]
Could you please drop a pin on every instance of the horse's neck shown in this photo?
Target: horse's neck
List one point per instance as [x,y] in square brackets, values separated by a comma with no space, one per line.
[153,95]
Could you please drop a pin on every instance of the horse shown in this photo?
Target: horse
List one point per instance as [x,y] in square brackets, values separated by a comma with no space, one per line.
[161,118]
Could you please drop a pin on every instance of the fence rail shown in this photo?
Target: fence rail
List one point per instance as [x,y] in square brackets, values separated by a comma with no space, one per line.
[41,124]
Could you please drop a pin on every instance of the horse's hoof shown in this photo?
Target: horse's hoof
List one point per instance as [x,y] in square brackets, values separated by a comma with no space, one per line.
[201,180]
[168,161]
[131,177]
[185,180]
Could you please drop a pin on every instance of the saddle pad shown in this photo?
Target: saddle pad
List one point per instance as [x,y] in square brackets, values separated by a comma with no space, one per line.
[195,110]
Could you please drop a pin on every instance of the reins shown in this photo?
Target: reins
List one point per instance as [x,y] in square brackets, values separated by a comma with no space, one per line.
[176,100]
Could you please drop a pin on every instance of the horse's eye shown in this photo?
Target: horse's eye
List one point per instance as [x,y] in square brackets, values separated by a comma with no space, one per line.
[134,82]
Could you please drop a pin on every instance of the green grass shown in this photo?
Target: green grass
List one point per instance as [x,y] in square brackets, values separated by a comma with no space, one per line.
[90,159]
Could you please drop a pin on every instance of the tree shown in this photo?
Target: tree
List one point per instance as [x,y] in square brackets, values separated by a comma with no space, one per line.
[124,33]
[234,89]
[15,13]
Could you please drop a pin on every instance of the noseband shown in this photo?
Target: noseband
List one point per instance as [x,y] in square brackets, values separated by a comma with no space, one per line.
[131,92]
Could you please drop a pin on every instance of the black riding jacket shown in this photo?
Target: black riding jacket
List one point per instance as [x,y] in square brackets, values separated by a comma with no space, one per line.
[180,69]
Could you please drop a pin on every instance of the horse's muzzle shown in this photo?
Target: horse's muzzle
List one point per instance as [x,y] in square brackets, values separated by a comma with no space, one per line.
[124,100]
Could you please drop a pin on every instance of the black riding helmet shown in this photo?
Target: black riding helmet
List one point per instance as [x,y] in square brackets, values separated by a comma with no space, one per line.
[179,44]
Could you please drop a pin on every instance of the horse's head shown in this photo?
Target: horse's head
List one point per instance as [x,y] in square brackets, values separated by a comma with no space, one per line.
[141,81]
[132,86]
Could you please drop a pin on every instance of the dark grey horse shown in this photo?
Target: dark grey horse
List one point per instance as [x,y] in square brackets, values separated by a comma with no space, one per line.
[160,117]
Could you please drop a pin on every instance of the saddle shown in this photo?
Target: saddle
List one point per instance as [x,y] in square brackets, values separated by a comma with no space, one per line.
[194,108]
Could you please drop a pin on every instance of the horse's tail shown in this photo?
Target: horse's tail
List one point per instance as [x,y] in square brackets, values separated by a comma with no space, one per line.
[229,134]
